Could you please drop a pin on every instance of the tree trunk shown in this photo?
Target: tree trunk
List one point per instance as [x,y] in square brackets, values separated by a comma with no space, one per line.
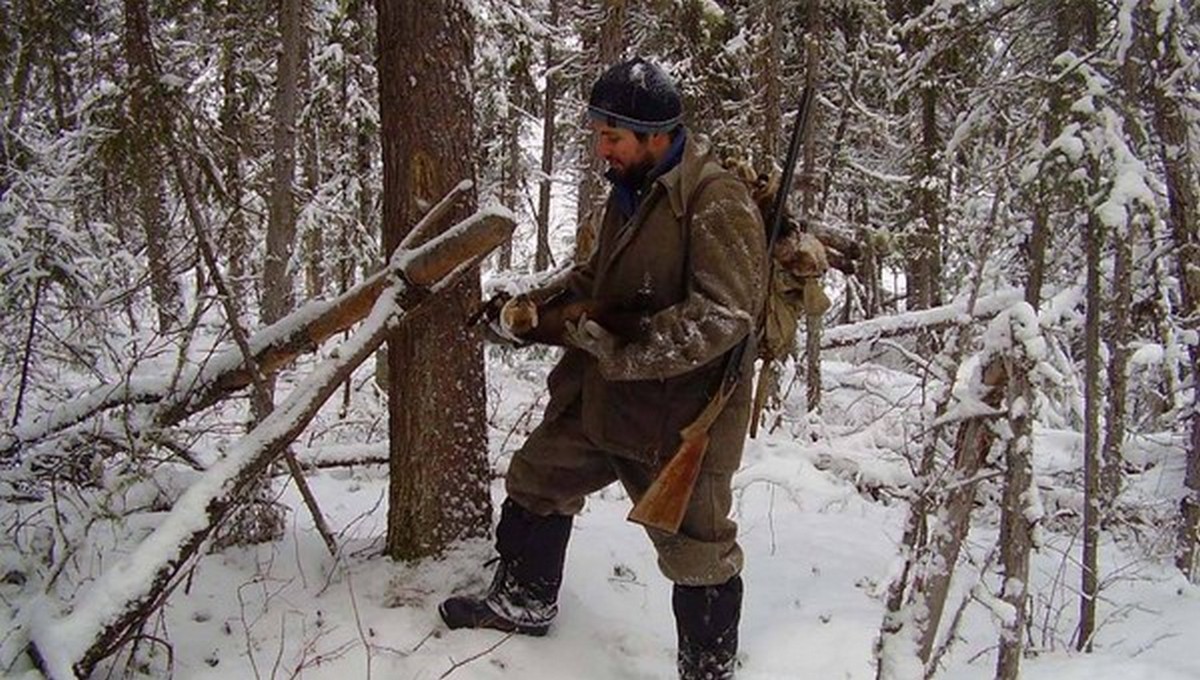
[808,195]
[1171,126]
[510,190]
[541,258]
[436,399]
[277,296]
[362,230]
[233,236]
[1166,398]
[1019,509]
[923,213]
[148,115]
[770,76]
[1117,341]
[937,524]
[972,443]
[839,138]
[314,234]
[928,265]
[607,42]
[260,520]
[1093,239]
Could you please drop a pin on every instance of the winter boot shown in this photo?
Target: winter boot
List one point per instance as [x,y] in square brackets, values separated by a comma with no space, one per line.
[706,618]
[523,597]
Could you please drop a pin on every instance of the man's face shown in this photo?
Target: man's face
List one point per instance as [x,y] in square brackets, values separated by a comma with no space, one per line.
[627,156]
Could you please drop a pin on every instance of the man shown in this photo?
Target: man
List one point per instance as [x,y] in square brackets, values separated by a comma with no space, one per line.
[682,247]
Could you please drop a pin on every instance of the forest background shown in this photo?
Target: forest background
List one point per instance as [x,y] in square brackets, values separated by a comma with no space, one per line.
[1009,190]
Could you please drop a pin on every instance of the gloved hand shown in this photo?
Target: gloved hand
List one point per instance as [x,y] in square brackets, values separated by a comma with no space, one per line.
[518,316]
[505,319]
[592,338]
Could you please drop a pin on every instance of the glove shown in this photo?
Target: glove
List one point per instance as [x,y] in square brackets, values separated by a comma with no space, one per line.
[518,316]
[505,319]
[592,338]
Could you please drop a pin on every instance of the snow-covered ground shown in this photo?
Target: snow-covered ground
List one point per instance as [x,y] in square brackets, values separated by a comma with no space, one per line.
[820,536]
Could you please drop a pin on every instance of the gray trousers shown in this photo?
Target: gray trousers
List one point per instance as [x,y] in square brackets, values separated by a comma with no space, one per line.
[558,467]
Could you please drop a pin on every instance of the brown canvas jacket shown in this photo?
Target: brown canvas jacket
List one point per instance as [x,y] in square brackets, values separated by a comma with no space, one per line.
[702,289]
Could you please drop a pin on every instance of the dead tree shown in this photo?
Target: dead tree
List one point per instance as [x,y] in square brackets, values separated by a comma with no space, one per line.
[1020,510]
[225,375]
[939,517]
[113,610]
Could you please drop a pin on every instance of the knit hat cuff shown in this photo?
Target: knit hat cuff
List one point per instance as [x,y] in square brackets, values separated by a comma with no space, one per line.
[646,126]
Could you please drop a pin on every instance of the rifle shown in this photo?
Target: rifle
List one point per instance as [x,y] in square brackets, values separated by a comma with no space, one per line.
[546,323]
[663,505]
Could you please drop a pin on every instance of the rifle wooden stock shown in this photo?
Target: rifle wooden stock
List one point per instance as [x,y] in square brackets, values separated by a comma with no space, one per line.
[665,503]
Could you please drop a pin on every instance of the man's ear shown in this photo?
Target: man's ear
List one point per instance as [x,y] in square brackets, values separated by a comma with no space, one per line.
[659,143]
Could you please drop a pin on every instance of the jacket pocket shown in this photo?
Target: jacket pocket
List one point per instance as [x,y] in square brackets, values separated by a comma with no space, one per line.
[626,416]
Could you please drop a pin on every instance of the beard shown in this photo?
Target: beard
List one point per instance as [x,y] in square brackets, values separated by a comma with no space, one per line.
[635,174]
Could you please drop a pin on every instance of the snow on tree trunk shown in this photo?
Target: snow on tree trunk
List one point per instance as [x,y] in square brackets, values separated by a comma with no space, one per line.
[1093,398]
[277,293]
[1169,86]
[274,347]
[1116,339]
[939,517]
[233,235]
[1021,508]
[436,399]
[952,519]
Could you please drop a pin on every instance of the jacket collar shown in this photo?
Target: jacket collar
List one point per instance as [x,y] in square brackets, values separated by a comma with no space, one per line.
[681,180]
[677,182]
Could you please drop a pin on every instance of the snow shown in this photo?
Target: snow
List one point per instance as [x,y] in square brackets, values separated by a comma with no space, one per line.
[63,641]
[1005,613]
[1147,355]
[819,555]
[888,325]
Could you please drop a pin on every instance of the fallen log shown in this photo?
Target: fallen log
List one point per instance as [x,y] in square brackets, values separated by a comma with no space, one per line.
[924,319]
[118,603]
[274,347]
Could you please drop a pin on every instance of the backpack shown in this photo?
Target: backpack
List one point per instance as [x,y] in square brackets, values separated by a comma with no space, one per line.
[797,263]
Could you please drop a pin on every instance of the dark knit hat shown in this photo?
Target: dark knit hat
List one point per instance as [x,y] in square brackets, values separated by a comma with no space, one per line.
[636,95]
